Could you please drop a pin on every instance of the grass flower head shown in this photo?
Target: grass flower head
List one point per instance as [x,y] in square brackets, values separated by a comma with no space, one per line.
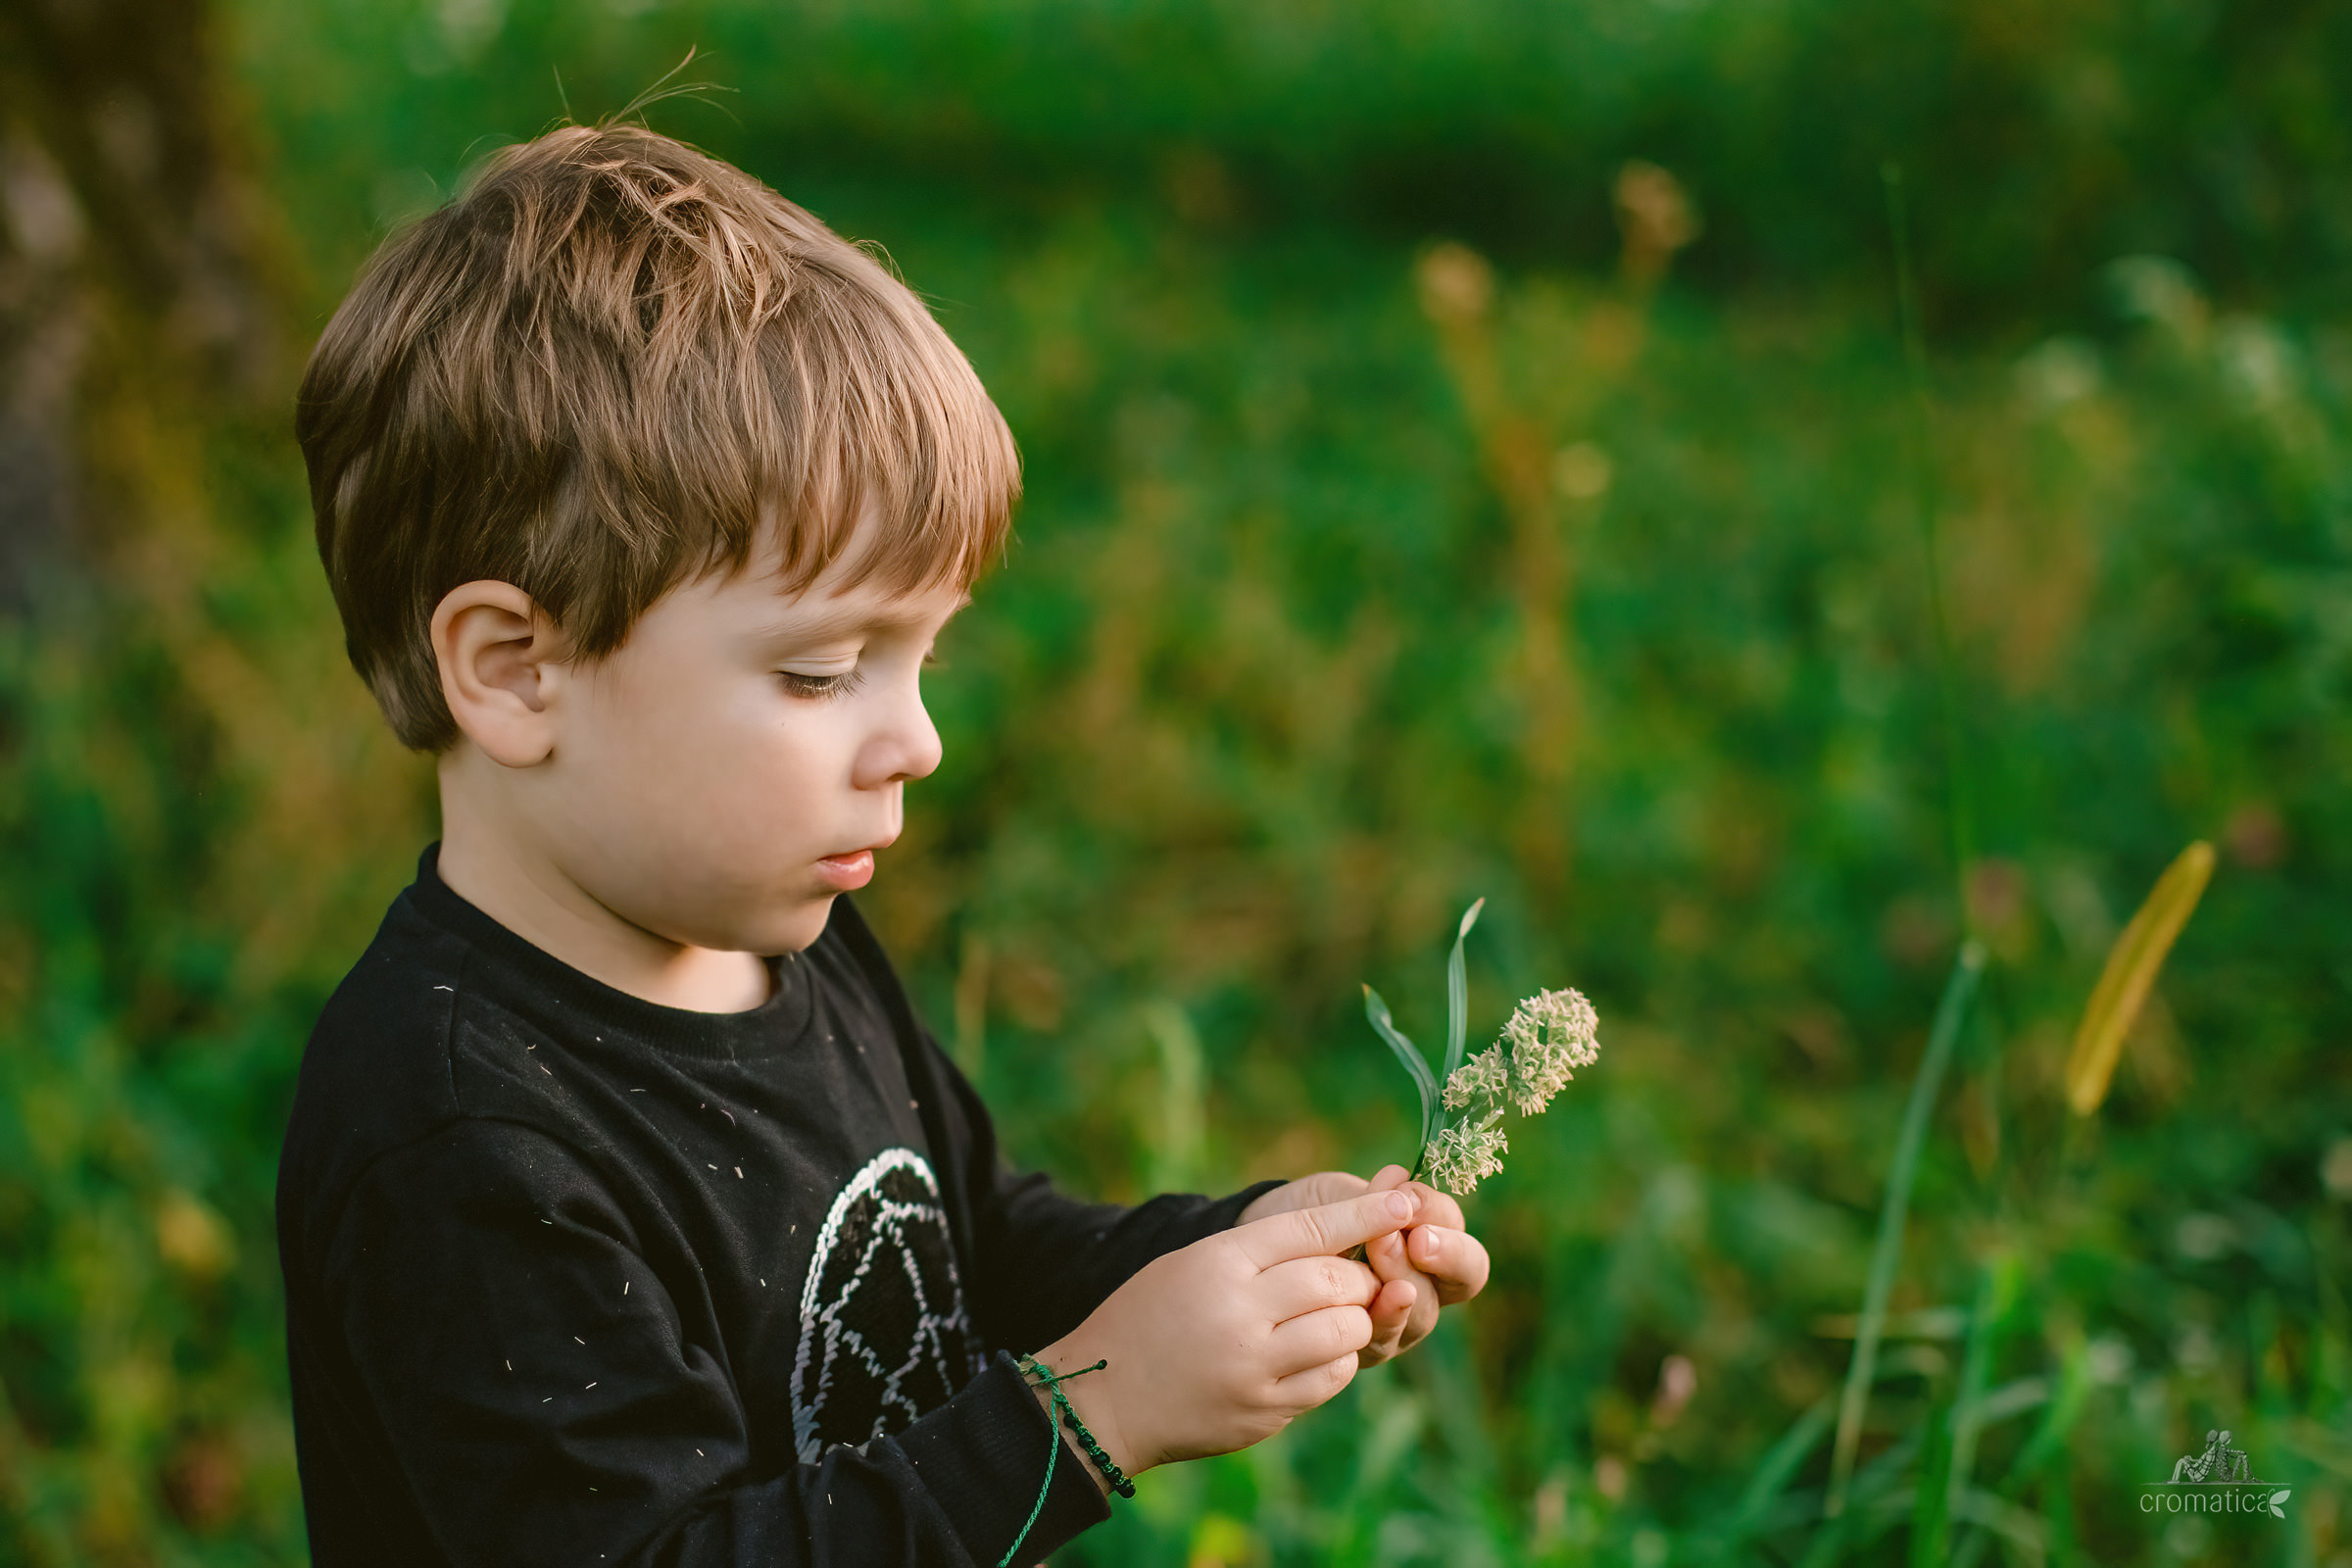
[1463,1156]
[1485,1077]
[1551,1034]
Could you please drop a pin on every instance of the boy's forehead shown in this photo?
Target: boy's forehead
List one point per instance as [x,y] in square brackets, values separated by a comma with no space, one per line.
[824,609]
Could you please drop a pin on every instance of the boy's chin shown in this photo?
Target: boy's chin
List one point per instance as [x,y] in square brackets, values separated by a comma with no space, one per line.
[797,929]
[769,930]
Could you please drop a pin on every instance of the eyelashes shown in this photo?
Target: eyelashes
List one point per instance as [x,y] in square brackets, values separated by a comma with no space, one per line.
[821,687]
[828,688]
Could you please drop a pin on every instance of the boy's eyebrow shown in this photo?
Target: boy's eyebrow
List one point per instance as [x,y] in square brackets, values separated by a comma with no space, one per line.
[826,624]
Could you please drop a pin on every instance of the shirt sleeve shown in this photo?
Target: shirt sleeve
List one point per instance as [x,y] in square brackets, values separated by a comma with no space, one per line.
[536,1411]
[1044,1260]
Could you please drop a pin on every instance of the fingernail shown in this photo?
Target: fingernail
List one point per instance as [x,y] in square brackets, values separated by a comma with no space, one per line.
[1399,1207]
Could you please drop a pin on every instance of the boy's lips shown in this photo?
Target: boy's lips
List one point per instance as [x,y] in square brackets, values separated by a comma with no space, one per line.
[853,869]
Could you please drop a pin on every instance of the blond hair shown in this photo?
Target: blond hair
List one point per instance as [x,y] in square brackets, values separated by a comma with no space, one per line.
[616,364]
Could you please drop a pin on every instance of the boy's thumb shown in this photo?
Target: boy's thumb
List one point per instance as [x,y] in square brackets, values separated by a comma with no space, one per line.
[1324,1232]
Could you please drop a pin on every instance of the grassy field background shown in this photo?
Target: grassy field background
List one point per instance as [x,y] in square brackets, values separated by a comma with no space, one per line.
[1471,451]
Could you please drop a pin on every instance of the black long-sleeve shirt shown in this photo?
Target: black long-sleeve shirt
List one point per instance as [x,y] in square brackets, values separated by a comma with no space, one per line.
[575,1278]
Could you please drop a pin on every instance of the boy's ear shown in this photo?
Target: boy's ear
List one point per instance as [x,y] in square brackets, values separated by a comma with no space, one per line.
[500,657]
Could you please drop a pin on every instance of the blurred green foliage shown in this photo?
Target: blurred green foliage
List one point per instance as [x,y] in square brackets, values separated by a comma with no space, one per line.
[1362,574]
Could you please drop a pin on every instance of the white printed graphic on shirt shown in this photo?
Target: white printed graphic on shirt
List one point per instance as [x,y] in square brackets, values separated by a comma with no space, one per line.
[883,1333]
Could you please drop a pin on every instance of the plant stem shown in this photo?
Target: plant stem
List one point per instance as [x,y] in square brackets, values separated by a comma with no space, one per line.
[1929,500]
[1888,1252]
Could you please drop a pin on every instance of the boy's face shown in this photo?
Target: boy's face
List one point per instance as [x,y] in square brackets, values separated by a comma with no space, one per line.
[738,761]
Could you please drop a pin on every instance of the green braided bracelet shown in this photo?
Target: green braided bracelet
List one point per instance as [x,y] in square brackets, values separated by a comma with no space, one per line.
[1050,1380]
[1086,1439]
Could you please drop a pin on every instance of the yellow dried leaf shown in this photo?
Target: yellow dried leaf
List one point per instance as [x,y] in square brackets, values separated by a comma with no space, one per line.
[2131,966]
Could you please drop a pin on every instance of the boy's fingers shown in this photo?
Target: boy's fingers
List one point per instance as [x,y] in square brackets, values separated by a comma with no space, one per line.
[1305,1390]
[1401,1282]
[1393,1312]
[1389,1177]
[1454,1260]
[1307,1191]
[1324,1232]
[1436,1208]
[1312,1338]
[1310,1283]
[1423,1317]
[1329,1187]
[1388,1257]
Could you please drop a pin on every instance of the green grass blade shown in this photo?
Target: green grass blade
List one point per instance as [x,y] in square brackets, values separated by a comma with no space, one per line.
[1457,995]
[1877,1504]
[1414,1062]
[1772,1476]
[1887,1251]
[2049,1438]
[2023,1531]
[1944,1477]
[1931,1519]
[1996,1293]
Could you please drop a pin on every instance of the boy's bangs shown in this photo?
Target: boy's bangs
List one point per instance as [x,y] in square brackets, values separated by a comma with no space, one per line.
[905,476]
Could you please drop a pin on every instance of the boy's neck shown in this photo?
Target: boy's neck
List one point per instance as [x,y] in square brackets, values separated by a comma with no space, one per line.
[536,900]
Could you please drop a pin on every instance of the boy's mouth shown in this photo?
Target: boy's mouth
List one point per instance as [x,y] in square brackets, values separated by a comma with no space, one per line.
[848,871]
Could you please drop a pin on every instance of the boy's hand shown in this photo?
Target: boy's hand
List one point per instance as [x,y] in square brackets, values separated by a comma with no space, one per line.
[1433,1263]
[1221,1344]
[1436,1256]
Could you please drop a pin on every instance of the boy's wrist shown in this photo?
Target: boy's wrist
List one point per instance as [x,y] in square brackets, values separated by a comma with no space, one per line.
[1094,1398]
[1072,1453]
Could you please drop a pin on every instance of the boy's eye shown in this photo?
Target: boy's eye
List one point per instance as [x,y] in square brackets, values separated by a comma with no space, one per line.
[819,687]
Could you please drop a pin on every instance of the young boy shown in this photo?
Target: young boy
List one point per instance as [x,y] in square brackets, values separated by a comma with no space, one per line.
[629,1214]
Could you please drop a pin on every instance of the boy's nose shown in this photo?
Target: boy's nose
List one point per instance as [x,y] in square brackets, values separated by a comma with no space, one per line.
[906,746]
